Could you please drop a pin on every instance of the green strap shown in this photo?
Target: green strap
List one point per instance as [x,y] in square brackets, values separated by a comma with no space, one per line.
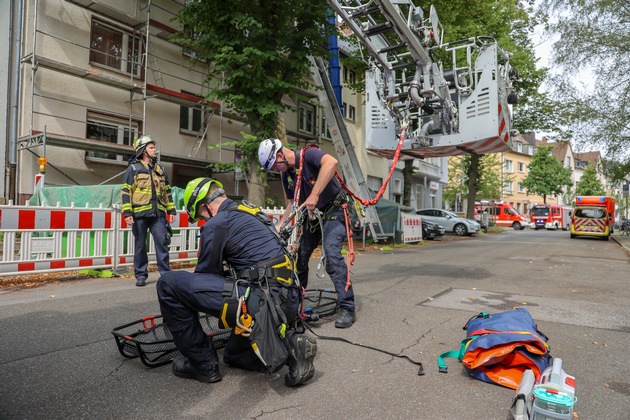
[454,354]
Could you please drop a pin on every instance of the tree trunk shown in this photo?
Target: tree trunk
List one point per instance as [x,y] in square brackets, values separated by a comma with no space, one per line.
[473,174]
[407,182]
[256,192]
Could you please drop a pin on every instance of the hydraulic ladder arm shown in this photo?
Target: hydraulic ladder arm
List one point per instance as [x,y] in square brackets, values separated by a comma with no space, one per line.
[462,110]
[350,168]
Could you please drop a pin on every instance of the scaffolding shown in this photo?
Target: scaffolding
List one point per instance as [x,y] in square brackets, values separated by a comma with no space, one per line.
[50,48]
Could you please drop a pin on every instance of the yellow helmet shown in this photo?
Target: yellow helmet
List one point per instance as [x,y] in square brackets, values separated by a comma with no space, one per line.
[196,192]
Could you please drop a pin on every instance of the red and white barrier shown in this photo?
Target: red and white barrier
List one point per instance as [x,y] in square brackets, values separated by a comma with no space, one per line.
[411,227]
[48,239]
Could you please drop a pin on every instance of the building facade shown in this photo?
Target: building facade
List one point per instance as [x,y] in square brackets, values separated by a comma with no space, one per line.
[92,75]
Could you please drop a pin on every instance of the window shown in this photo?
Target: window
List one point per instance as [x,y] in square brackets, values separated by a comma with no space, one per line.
[508,188]
[520,187]
[433,197]
[568,161]
[190,118]
[519,147]
[530,150]
[344,109]
[306,118]
[110,129]
[352,113]
[520,166]
[419,196]
[374,183]
[352,77]
[115,48]
[509,166]
[325,130]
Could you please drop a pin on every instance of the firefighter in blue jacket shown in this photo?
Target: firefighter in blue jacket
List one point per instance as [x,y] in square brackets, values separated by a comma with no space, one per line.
[244,243]
[319,190]
[147,205]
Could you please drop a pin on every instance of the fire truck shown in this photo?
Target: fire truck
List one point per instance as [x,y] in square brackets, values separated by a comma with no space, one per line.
[501,214]
[550,216]
[593,216]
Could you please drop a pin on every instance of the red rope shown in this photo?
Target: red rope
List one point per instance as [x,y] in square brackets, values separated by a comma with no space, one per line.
[351,255]
[379,194]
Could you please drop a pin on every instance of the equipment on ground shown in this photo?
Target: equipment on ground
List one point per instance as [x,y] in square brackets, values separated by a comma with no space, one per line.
[499,347]
[151,340]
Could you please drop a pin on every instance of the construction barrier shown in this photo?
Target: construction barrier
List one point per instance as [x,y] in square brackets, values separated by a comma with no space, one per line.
[49,239]
[411,227]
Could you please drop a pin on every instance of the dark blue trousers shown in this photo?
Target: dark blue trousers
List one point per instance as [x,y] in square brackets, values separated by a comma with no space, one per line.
[183,295]
[334,235]
[157,227]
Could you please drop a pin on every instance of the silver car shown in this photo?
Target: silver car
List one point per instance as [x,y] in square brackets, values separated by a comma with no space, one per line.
[451,222]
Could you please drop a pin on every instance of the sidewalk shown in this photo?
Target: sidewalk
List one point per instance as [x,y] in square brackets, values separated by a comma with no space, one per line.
[623,240]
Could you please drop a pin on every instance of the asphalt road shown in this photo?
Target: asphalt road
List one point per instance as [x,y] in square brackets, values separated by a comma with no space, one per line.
[58,359]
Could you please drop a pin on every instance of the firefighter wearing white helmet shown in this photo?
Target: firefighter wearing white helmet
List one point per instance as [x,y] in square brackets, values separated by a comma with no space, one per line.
[319,191]
[147,205]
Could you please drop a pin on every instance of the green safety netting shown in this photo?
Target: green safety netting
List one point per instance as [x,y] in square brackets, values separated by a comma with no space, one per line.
[92,195]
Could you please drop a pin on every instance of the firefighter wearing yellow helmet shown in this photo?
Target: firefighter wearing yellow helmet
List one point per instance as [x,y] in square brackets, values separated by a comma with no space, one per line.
[240,237]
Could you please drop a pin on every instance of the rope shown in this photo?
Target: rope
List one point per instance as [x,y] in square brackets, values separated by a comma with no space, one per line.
[351,255]
[343,340]
[380,192]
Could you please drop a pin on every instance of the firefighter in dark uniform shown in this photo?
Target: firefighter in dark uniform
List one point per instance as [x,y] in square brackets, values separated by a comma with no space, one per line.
[241,241]
[319,189]
[147,205]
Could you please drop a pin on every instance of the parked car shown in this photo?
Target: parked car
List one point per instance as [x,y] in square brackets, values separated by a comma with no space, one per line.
[451,222]
[431,230]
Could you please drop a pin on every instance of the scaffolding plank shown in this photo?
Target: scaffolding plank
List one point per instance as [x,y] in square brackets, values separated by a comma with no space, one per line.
[106,10]
[80,143]
[46,62]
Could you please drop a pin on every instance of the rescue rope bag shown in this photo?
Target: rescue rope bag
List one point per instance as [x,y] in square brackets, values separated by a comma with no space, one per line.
[498,348]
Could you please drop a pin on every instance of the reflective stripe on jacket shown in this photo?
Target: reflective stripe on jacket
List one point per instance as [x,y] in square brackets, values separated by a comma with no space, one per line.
[146,190]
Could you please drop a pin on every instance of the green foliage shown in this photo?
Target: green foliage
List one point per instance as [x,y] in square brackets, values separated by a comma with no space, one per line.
[259,53]
[546,174]
[590,184]
[592,34]
[489,180]
[510,22]
[616,171]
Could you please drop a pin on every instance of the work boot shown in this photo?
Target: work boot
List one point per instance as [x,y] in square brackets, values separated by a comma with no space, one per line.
[346,318]
[184,369]
[301,355]
[141,282]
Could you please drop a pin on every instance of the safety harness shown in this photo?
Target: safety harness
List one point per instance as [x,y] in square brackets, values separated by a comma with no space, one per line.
[274,272]
[340,201]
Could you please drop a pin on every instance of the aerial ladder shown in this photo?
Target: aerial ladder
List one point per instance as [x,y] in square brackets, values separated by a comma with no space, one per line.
[462,110]
[350,168]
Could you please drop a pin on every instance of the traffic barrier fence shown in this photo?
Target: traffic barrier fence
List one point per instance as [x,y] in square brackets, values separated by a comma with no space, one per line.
[49,239]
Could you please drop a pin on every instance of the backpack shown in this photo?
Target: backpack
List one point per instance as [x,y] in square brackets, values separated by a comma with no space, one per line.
[498,348]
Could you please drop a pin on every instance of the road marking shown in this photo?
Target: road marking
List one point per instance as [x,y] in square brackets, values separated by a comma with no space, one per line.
[564,311]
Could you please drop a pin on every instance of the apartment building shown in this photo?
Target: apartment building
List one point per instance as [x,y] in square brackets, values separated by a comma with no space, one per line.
[91,75]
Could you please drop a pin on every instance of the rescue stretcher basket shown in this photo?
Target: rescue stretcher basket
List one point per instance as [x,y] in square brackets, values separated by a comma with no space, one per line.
[150,339]
[319,303]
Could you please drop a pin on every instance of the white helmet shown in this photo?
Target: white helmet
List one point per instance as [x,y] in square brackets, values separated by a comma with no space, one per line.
[267,151]
[141,143]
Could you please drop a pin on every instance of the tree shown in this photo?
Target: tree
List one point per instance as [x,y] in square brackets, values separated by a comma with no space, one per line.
[488,181]
[592,41]
[259,52]
[510,23]
[590,184]
[546,174]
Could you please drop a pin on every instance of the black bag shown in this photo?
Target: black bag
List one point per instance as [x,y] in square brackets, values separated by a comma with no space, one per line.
[268,339]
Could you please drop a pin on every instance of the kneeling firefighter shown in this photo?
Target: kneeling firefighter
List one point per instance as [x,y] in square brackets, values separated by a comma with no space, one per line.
[255,296]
